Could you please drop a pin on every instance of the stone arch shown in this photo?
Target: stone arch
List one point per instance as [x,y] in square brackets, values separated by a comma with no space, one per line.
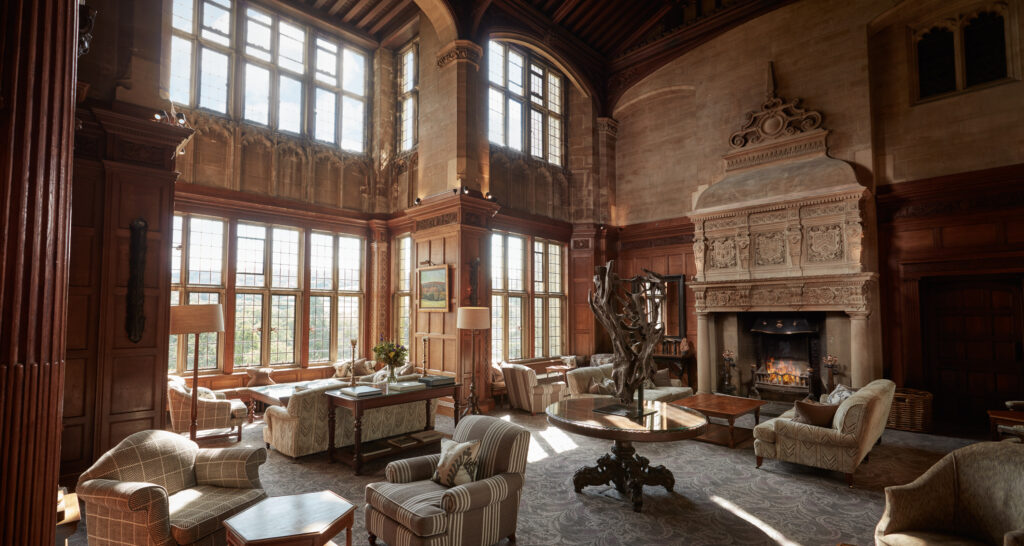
[442,18]
[537,45]
[627,103]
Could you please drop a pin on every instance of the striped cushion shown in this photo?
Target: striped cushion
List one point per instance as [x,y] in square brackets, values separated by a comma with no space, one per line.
[416,505]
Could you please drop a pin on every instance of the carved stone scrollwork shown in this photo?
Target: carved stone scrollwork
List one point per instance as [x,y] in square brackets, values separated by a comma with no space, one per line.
[794,236]
[698,254]
[824,243]
[855,239]
[722,253]
[770,248]
[776,119]
[743,251]
[460,50]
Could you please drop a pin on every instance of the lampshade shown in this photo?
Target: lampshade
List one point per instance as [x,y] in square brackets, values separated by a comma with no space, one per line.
[473,318]
[197,319]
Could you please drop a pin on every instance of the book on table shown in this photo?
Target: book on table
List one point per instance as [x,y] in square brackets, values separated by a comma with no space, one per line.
[437,380]
[426,435]
[360,390]
[403,386]
[402,441]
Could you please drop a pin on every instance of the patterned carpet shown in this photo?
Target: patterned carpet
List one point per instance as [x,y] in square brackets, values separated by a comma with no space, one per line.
[719,498]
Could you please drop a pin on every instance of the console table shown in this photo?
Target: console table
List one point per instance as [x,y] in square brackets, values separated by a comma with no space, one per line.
[271,395]
[623,467]
[357,405]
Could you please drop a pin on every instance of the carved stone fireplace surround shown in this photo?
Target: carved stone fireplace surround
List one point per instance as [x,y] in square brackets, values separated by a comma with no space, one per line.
[784,231]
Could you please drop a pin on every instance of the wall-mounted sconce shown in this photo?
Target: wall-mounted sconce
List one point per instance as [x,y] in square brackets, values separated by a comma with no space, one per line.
[417,202]
[465,190]
[489,196]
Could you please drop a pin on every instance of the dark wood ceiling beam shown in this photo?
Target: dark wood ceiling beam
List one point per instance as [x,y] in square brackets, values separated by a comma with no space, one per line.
[603,35]
[390,15]
[320,4]
[374,13]
[643,29]
[355,10]
[603,16]
[336,7]
[542,25]
[583,17]
[306,13]
[550,4]
[564,10]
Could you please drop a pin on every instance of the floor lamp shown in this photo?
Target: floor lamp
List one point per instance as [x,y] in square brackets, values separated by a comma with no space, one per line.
[196,319]
[473,318]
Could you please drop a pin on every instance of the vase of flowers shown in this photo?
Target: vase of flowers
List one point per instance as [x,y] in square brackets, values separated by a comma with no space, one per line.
[392,355]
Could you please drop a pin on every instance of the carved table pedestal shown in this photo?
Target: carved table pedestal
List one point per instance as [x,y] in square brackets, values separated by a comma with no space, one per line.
[622,467]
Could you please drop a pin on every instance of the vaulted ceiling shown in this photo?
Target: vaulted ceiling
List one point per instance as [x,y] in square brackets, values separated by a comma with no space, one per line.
[611,43]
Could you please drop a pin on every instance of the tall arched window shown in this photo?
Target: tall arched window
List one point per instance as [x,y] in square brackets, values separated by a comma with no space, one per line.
[525,109]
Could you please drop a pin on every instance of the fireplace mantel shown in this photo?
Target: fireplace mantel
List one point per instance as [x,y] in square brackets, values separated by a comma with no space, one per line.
[846,293]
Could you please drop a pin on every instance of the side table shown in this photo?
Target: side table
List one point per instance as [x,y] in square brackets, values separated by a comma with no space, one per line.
[309,519]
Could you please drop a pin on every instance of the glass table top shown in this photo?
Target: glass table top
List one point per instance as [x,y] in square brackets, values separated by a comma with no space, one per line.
[668,422]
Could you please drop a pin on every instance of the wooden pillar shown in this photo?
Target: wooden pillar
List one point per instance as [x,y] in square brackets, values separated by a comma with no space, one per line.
[861,358]
[37,89]
[379,280]
[705,374]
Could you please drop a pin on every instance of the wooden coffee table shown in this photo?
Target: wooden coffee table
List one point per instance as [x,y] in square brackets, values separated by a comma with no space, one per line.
[724,407]
[1003,417]
[309,519]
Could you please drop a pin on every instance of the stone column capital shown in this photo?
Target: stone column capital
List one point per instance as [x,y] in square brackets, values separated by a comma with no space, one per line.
[608,127]
[858,315]
[460,51]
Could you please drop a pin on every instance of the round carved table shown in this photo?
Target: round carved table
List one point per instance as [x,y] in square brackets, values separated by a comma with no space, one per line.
[628,471]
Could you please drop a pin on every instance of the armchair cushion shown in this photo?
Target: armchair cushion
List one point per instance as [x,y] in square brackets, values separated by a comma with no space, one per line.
[814,413]
[199,511]
[124,496]
[840,393]
[237,467]
[416,505]
[458,462]
[412,470]
[480,494]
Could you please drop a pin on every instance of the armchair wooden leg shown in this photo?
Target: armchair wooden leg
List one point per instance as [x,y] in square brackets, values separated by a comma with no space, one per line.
[760,460]
[512,538]
[239,432]
[373,539]
[849,479]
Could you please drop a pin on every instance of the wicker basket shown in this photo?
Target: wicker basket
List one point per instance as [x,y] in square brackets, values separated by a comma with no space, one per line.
[911,410]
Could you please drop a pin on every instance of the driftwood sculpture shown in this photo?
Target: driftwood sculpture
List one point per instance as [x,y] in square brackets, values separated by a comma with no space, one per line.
[629,310]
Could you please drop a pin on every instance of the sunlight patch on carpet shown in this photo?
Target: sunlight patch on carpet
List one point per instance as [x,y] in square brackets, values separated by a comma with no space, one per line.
[753,520]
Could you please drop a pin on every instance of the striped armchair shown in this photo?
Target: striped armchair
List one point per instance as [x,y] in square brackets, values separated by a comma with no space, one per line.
[410,508]
[158,488]
[525,393]
[213,409]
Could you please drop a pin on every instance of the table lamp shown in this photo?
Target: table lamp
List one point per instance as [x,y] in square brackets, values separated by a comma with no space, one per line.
[196,319]
[473,318]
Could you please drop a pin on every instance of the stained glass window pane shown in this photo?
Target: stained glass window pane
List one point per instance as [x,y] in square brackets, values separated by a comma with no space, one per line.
[554,93]
[205,251]
[285,260]
[248,329]
[257,94]
[554,140]
[282,329]
[496,117]
[404,310]
[176,233]
[408,119]
[291,47]
[536,133]
[515,72]
[408,71]
[352,124]
[348,322]
[554,326]
[326,62]
[554,268]
[516,263]
[538,266]
[289,114]
[496,63]
[321,261]
[216,23]
[181,15]
[350,263]
[515,328]
[353,71]
[213,79]
[319,328]
[326,116]
[405,263]
[250,255]
[538,327]
[497,262]
[497,329]
[181,71]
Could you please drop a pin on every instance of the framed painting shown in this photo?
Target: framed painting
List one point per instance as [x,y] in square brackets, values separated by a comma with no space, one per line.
[433,285]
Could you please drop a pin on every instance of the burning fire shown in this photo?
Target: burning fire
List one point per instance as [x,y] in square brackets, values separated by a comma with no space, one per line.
[782,373]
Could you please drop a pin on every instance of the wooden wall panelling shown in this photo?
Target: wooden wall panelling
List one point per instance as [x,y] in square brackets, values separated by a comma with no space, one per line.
[122,383]
[967,224]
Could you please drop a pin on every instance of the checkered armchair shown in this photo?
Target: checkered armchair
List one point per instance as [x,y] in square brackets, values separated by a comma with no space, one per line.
[213,411]
[525,393]
[409,508]
[159,488]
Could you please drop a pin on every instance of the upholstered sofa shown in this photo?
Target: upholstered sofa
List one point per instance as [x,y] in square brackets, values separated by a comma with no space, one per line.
[525,393]
[858,424]
[300,428]
[580,380]
[158,488]
[974,495]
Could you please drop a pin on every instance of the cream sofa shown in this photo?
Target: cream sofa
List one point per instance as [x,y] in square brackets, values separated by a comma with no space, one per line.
[857,426]
[580,379]
[300,428]
[974,495]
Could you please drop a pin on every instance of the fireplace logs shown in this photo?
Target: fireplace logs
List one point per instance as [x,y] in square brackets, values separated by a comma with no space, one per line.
[786,348]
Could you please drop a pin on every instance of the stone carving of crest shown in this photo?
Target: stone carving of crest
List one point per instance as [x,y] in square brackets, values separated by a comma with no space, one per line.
[824,243]
[722,253]
[770,248]
[776,119]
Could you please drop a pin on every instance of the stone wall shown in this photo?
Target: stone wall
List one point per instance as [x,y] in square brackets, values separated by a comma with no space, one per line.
[674,125]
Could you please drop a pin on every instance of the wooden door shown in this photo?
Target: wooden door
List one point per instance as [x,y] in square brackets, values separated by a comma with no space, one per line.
[972,330]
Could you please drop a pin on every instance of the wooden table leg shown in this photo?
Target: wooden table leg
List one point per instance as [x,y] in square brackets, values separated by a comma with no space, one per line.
[456,408]
[732,432]
[348,536]
[757,416]
[357,437]
[330,430]
[252,409]
[427,425]
[994,427]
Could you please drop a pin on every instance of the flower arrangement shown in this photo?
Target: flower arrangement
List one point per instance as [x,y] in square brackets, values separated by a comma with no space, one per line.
[391,354]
